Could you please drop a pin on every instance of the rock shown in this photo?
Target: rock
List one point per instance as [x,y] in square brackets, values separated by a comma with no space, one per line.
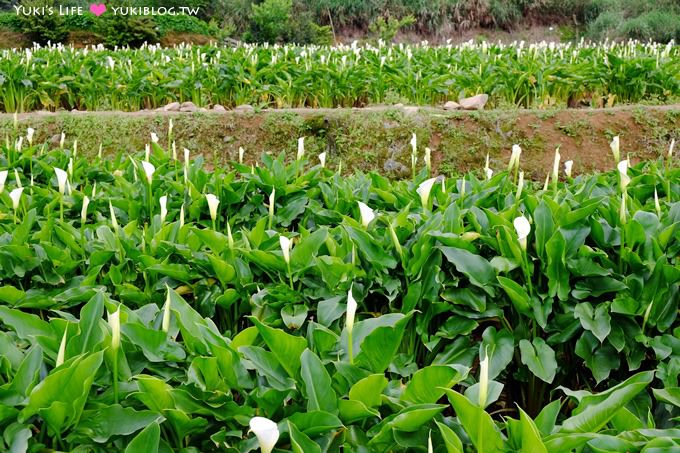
[244,108]
[410,110]
[228,139]
[202,109]
[172,107]
[398,105]
[55,140]
[219,108]
[394,166]
[475,102]
[188,107]
[451,105]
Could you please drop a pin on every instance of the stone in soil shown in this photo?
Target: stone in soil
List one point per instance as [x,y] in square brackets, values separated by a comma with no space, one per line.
[188,107]
[219,108]
[172,107]
[393,166]
[451,105]
[244,108]
[475,102]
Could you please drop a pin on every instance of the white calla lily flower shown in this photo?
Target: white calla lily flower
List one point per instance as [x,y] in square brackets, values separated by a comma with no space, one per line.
[17,178]
[351,310]
[174,150]
[623,212]
[147,152]
[213,203]
[520,185]
[322,159]
[623,174]
[149,170]
[614,145]
[166,311]
[15,196]
[3,180]
[286,245]
[556,165]
[428,158]
[301,148]
[114,222]
[657,205]
[514,157]
[61,355]
[266,431]
[568,165]
[62,177]
[154,137]
[424,190]
[62,140]
[114,323]
[163,201]
[367,214]
[483,379]
[523,228]
[29,135]
[670,149]
[241,153]
[181,216]
[83,211]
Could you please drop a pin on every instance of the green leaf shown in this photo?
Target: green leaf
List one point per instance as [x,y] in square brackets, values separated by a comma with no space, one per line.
[286,348]
[597,321]
[540,358]
[517,294]
[594,412]
[427,384]
[369,390]
[475,267]
[318,384]
[115,420]
[531,437]
[10,294]
[478,424]
[558,275]
[499,347]
[299,441]
[61,396]
[147,441]
[377,349]
[451,440]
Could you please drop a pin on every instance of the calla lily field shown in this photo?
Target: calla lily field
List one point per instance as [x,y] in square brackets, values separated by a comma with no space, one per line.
[150,304]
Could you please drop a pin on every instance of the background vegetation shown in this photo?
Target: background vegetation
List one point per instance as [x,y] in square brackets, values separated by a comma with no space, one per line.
[321,21]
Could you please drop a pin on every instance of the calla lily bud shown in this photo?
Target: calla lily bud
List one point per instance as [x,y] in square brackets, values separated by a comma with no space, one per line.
[181,216]
[94,189]
[83,212]
[272,200]
[623,174]
[623,212]
[351,310]
[614,145]
[523,228]
[285,248]
[414,145]
[19,143]
[322,159]
[483,379]
[62,140]
[3,180]
[428,158]
[170,125]
[395,239]
[489,173]
[69,168]
[186,165]
[114,323]
[149,170]
[266,431]
[367,214]
[424,190]
[556,165]
[241,153]
[657,206]
[514,157]
[62,177]
[62,349]
[470,236]
[164,207]
[147,152]
[154,137]
[29,135]
[429,443]
[213,202]
[670,149]
[99,153]
[520,185]
[230,238]
[567,168]
[75,151]
[166,311]
[301,148]
[17,178]
[114,222]
[15,196]
[174,150]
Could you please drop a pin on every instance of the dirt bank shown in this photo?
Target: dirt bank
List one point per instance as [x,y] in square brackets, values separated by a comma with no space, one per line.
[377,138]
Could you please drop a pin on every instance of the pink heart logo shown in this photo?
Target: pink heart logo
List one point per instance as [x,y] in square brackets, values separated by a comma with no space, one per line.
[97,9]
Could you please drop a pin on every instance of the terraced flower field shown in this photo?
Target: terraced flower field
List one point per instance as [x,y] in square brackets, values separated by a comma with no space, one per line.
[149,304]
[525,75]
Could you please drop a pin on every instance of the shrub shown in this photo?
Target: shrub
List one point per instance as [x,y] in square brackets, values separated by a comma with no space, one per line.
[126,31]
[388,29]
[182,24]
[42,28]
[271,21]
[10,21]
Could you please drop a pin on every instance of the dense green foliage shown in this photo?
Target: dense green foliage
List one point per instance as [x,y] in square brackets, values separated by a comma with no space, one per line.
[274,76]
[465,314]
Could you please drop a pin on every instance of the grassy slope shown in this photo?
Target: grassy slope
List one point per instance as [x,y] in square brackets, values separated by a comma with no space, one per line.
[366,139]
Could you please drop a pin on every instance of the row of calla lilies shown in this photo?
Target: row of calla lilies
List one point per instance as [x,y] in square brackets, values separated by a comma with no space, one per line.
[265,430]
